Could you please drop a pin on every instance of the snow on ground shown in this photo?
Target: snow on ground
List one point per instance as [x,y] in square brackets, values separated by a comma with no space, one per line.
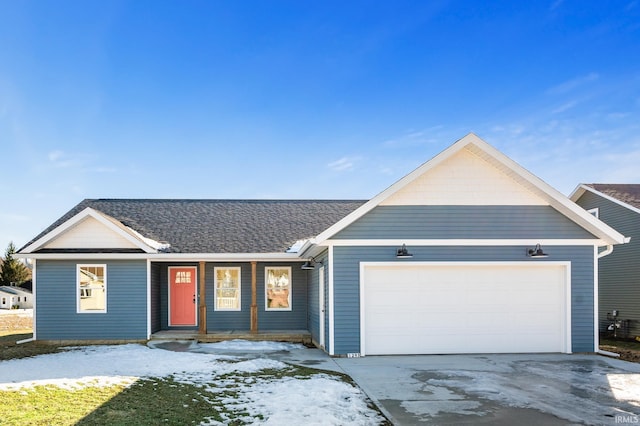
[316,399]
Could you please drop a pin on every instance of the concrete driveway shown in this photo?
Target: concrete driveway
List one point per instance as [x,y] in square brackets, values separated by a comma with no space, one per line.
[530,389]
[500,389]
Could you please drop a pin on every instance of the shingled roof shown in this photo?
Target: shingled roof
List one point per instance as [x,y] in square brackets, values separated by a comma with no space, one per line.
[627,193]
[220,226]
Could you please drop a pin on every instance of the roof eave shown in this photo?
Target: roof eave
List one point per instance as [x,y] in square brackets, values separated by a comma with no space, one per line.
[170,257]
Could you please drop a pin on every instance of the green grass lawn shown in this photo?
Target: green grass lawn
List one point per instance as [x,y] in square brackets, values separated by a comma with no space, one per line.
[145,402]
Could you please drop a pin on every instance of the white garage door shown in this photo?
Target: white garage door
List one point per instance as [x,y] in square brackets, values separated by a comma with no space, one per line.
[464,308]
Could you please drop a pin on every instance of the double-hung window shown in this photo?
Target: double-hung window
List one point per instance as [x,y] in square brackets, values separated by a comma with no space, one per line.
[92,288]
[227,289]
[278,288]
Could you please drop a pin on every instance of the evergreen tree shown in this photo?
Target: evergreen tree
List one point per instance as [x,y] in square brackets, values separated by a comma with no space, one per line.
[13,271]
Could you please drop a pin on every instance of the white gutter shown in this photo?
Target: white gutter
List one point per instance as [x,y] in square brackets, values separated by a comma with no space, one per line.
[171,257]
[606,251]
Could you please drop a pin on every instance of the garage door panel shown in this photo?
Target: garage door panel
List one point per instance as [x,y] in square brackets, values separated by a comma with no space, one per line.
[464,308]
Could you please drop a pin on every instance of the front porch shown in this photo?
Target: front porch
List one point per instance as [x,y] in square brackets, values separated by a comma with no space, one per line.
[293,336]
[215,301]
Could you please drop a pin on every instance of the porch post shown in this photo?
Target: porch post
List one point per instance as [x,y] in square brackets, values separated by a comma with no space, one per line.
[202,304]
[254,298]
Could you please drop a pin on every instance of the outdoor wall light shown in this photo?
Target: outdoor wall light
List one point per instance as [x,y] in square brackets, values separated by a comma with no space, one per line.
[402,252]
[536,252]
[310,264]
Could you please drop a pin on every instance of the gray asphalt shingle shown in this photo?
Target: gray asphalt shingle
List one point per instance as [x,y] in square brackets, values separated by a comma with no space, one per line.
[627,193]
[221,226]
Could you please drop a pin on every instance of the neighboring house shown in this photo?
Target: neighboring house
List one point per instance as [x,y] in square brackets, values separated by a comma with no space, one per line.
[449,259]
[15,298]
[618,205]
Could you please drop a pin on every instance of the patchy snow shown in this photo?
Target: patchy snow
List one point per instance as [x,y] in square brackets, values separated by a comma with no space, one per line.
[317,399]
[295,247]
[322,400]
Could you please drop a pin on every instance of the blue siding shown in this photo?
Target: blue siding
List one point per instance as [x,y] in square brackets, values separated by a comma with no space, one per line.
[619,272]
[347,283]
[440,222]
[295,319]
[126,316]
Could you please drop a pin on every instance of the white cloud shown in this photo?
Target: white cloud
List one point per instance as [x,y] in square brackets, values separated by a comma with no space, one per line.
[343,164]
[55,155]
[570,85]
[564,107]
[60,160]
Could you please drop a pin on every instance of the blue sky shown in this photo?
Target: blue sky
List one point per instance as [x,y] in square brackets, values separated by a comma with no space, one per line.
[292,99]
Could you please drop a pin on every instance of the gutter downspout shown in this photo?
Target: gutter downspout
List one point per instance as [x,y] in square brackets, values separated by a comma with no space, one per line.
[604,253]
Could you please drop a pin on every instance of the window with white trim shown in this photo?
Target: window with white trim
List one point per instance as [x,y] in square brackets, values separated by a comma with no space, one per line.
[227,289]
[92,288]
[277,288]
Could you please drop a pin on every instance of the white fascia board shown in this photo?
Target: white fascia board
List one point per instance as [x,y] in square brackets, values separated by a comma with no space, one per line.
[556,199]
[170,257]
[110,223]
[464,242]
[577,192]
[584,188]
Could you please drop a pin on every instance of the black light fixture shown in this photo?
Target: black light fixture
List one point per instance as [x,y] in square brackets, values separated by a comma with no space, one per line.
[403,253]
[536,252]
[310,264]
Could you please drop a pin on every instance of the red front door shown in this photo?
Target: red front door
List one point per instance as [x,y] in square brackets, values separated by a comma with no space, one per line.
[182,295]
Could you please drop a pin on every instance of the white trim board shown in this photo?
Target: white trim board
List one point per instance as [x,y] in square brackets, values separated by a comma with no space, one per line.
[332,349]
[171,257]
[463,242]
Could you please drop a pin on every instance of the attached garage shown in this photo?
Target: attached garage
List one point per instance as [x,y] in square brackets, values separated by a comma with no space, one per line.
[453,307]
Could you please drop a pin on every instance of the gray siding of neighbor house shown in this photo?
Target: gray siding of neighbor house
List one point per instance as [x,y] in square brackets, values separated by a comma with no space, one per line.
[347,278]
[295,319]
[619,272]
[314,299]
[442,222]
[126,316]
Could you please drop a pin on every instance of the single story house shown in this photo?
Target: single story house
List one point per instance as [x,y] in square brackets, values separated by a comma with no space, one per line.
[618,205]
[13,297]
[469,253]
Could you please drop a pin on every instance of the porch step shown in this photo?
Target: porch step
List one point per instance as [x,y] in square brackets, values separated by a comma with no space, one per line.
[293,336]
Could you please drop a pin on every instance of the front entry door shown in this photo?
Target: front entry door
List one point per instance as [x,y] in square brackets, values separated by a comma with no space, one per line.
[182,295]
